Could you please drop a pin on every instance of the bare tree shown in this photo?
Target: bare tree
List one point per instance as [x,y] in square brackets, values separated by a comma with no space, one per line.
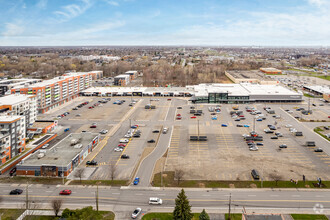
[56,205]
[113,170]
[275,177]
[79,173]
[178,174]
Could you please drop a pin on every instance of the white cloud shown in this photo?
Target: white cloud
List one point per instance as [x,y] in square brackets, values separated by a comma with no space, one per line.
[71,11]
[13,29]
[318,3]
[42,4]
[113,3]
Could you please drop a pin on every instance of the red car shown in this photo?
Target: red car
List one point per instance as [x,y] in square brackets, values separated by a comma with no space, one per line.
[121,145]
[193,117]
[178,115]
[241,116]
[91,107]
[178,118]
[65,192]
[93,126]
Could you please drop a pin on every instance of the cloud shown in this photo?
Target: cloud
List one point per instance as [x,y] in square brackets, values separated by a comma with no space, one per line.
[318,3]
[113,3]
[42,4]
[71,11]
[13,29]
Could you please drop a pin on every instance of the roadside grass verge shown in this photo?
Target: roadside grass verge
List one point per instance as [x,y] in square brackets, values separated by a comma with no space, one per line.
[233,216]
[11,213]
[308,217]
[32,180]
[107,215]
[164,216]
[169,181]
[100,182]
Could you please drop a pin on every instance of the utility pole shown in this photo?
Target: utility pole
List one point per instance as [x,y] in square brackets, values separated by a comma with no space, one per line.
[229,207]
[63,174]
[97,197]
[161,177]
[26,193]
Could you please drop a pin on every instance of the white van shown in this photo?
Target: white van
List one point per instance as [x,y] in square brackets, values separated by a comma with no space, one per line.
[155,201]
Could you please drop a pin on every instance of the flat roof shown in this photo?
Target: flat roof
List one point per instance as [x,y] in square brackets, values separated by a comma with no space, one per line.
[14,99]
[41,124]
[121,76]
[5,118]
[249,74]
[62,153]
[320,89]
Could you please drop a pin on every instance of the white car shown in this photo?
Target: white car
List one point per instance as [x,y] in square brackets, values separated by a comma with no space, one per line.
[128,135]
[244,135]
[155,201]
[123,140]
[290,112]
[118,149]
[288,126]
[104,131]
[254,148]
[136,212]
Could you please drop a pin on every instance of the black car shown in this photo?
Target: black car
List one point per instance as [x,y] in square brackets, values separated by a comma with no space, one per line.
[151,141]
[16,192]
[179,107]
[91,163]
[283,146]
[255,174]
[326,128]
[155,131]
[237,119]
[12,171]
[274,137]
[318,150]
[75,108]
[124,156]
[239,125]
[136,135]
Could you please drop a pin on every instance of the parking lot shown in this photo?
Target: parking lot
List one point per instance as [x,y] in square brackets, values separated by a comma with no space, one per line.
[224,156]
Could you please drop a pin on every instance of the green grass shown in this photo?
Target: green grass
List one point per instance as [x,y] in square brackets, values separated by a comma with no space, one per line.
[234,216]
[308,95]
[308,217]
[163,216]
[100,182]
[9,214]
[107,215]
[40,217]
[324,77]
[168,181]
[318,130]
[32,180]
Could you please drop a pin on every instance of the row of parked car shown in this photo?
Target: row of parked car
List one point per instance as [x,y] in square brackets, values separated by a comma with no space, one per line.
[63,115]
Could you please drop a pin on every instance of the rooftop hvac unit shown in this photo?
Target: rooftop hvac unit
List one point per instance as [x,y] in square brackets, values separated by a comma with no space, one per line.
[41,155]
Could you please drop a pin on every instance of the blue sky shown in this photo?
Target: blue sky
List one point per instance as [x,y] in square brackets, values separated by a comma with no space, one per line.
[165,22]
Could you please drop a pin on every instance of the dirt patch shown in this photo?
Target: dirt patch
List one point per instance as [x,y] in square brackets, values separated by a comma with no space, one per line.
[231,186]
[201,185]
[253,185]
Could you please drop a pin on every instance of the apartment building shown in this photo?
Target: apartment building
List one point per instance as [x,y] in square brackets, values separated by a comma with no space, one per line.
[121,80]
[12,136]
[59,90]
[21,105]
[8,84]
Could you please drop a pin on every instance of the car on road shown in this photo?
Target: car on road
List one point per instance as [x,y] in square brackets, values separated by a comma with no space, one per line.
[118,149]
[65,192]
[318,150]
[123,140]
[283,146]
[104,131]
[151,141]
[91,163]
[16,192]
[136,213]
[136,181]
[224,125]
[124,156]
[13,172]
[246,126]
[155,201]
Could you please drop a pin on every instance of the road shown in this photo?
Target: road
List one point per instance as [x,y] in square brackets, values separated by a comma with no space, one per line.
[123,200]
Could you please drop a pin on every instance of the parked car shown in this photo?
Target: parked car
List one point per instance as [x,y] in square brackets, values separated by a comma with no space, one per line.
[239,125]
[278,134]
[16,192]
[124,156]
[136,213]
[255,174]
[12,172]
[118,149]
[274,137]
[260,144]
[318,150]
[93,126]
[193,117]
[123,140]
[136,181]
[246,126]
[283,146]
[155,131]
[224,125]
[65,192]
[104,131]
[137,135]
[151,141]
[91,163]
[121,145]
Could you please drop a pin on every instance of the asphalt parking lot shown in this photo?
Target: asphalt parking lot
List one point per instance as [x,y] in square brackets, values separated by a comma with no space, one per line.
[225,156]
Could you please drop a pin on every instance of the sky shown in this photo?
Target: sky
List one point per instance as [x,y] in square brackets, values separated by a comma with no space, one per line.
[165,22]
